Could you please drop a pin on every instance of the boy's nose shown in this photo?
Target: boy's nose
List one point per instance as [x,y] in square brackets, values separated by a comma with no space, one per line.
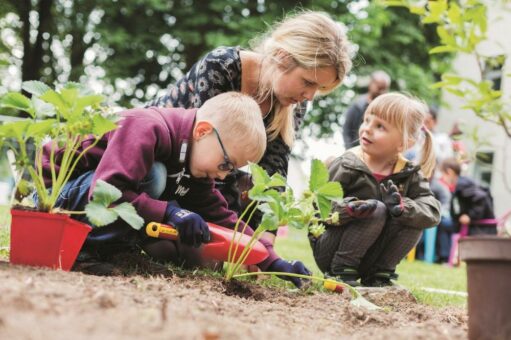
[221,175]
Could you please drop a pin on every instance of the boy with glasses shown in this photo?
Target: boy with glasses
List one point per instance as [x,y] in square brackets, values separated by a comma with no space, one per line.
[165,162]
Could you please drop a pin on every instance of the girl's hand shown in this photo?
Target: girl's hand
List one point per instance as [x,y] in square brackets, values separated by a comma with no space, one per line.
[392,198]
[362,209]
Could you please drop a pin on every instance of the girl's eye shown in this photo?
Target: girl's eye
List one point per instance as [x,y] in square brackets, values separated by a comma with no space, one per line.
[380,126]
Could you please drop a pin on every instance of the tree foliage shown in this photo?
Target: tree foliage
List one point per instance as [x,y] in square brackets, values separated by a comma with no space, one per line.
[133,48]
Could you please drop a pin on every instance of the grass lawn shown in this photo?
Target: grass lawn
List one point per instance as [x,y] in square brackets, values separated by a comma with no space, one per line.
[5,220]
[415,275]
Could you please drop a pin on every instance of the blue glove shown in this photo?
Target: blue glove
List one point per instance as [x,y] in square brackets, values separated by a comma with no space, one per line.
[191,227]
[294,267]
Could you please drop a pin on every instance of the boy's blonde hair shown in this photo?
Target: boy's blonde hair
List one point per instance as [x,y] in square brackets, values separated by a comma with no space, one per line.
[237,118]
[309,40]
[407,114]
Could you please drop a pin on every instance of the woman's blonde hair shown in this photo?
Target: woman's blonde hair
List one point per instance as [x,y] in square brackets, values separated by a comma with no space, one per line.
[309,40]
[237,118]
[407,115]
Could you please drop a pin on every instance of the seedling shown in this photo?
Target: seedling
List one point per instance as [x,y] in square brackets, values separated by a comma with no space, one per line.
[67,118]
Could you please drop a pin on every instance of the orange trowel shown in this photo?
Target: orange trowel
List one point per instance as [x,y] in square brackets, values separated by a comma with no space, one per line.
[218,247]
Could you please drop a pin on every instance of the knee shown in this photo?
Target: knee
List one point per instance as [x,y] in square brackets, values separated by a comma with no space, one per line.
[379,217]
[156,180]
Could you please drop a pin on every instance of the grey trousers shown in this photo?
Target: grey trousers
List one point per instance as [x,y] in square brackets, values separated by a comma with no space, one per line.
[370,245]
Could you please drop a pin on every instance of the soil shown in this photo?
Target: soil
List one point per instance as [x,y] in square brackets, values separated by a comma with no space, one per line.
[164,304]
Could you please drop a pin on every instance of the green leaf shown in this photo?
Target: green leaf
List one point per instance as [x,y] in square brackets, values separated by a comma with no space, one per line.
[99,215]
[102,125]
[105,193]
[331,191]
[325,206]
[127,212]
[42,109]
[256,190]
[15,130]
[41,128]
[37,88]
[454,13]
[17,101]
[55,98]
[443,49]
[319,175]
[277,180]
[69,95]
[269,222]
[265,196]
[259,175]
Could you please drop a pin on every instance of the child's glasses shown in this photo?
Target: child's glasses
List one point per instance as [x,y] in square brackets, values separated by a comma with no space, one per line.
[227,165]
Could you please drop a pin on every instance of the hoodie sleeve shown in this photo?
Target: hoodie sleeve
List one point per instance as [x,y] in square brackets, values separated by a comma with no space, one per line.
[129,156]
[421,209]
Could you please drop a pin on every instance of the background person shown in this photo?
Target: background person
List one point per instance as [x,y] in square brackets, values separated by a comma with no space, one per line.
[379,84]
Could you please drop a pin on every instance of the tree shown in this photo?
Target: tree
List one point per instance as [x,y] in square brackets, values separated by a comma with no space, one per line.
[136,47]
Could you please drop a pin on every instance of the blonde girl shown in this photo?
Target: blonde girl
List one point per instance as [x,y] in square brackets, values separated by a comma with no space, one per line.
[387,201]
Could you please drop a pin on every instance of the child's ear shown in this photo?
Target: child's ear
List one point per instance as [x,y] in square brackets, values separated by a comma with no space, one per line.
[201,129]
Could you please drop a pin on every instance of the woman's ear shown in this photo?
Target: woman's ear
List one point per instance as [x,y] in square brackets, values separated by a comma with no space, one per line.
[201,129]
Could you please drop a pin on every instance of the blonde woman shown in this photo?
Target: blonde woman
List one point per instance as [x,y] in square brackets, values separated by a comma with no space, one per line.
[299,58]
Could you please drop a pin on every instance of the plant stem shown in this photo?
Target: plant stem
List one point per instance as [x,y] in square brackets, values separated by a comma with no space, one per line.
[230,255]
[354,293]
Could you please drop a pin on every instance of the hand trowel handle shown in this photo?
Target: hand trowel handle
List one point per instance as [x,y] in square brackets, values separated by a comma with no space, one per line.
[160,230]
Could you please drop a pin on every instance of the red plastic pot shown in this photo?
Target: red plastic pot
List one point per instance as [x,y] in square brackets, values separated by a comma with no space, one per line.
[47,240]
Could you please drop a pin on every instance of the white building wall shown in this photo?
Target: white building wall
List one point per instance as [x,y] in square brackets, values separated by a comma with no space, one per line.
[499,28]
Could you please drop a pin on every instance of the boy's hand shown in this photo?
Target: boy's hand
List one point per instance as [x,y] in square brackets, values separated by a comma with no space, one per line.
[362,209]
[392,198]
[293,267]
[191,227]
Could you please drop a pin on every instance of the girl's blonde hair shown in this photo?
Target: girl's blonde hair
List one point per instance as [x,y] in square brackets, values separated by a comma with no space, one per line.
[237,118]
[309,40]
[407,114]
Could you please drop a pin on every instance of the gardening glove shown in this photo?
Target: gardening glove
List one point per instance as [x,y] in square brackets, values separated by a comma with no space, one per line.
[392,198]
[191,227]
[362,209]
[293,267]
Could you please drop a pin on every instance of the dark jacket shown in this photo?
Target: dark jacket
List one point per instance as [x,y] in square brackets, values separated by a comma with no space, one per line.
[476,201]
[421,211]
[354,117]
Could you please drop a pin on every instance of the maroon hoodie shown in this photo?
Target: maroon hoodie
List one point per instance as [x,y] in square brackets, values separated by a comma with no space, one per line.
[123,158]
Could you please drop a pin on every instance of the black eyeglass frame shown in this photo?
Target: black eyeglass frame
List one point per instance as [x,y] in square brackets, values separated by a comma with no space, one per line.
[227,165]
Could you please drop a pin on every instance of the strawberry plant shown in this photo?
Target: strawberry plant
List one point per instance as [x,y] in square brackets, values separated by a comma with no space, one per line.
[60,118]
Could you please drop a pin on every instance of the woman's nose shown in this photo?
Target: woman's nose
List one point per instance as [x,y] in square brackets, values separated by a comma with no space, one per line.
[309,94]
